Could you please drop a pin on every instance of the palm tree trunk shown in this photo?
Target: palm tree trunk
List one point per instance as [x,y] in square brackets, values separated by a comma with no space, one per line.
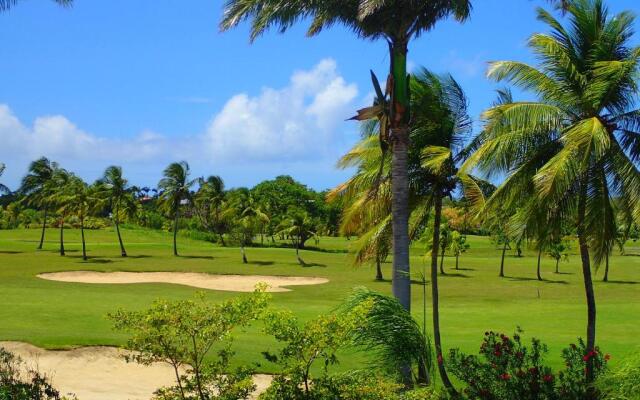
[44,227]
[457,257]
[300,261]
[401,282]
[84,246]
[175,234]
[442,263]
[379,276]
[62,253]
[588,282]
[539,257]
[435,295]
[244,255]
[123,252]
[504,250]
[606,269]
[557,265]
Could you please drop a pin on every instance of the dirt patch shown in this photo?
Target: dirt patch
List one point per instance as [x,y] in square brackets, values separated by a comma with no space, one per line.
[101,373]
[233,283]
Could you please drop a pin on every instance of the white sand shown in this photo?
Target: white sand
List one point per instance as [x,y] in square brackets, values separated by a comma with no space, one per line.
[101,373]
[234,283]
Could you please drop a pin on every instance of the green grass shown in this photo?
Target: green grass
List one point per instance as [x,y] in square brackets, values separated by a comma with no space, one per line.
[473,300]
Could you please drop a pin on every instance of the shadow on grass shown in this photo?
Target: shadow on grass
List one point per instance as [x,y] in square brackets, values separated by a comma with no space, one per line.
[198,257]
[464,269]
[622,282]
[138,256]
[309,265]
[453,275]
[522,279]
[262,263]
[10,252]
[563,273]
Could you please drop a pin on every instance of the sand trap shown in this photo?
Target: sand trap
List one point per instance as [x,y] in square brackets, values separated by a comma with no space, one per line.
[101,373]
[233,283]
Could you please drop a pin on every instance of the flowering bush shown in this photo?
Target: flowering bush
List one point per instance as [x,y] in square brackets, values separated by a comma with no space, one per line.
[509,369]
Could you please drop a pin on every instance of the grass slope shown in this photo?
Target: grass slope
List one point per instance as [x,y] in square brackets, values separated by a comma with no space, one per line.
[60,315]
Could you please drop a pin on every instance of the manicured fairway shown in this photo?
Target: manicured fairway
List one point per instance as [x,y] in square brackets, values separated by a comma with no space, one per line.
[59,314]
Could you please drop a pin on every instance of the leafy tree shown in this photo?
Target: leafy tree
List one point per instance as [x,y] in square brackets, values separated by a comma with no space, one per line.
[300,227]
[576,146]
[184,334]
[246,214]
[174,190]
[37,187]
[458,245]
[115,189]
[208,204]
[559,250]
[445,243]
[79,199]
[57,197]
[396,22]
[3,189]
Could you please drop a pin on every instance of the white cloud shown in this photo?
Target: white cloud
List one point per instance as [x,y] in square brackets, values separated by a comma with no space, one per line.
[299,126]
[468,67]
[299,121]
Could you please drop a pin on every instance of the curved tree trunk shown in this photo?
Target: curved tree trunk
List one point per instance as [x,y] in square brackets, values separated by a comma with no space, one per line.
[300,260]
[44,227]
[442,263]
[401,281]
[435,294]
[538,270]
[379,276]
[62,253]
[606,269]
[588,281]
[123,252]
[504,251]
[84,246]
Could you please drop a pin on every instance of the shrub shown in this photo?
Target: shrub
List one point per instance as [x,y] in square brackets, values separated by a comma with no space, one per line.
[508,369]
[15,385]
[623,383]
[183,334]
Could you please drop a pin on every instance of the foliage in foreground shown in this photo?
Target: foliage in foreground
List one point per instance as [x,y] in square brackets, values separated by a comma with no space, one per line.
[182,333]
[15,385]
[623,383]
[509,369]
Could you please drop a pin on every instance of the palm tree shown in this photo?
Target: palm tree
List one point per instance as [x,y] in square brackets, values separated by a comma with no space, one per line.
[175,189]
[57,197]
[458,245]
[36,187]
[246,215]
[79,199]
[116,191]
[576,147]
[208,202]
[397,22]
[6,5]
[442,121]
[3,189]
[299,227]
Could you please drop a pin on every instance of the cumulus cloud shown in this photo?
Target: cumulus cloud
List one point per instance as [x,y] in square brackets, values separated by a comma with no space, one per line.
[299,121]
[296,126]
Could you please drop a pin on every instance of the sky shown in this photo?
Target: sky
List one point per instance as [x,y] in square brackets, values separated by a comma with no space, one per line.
[147,82]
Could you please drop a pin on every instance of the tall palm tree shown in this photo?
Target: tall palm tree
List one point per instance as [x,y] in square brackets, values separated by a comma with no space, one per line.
[57,197]
[115,189]
[174,190]
[577,146]
[299,227]
[37,186]
[397,22]
[6,5]
[3,189]
[246,214]
[79,199]
[441,119]
[208,202]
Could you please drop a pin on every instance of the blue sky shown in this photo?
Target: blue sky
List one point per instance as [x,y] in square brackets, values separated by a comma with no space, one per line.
[146,82]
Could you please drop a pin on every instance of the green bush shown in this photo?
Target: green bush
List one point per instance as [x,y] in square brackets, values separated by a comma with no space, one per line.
[622,383]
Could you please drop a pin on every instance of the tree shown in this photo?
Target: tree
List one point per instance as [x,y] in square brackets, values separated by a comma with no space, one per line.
[396,22]
[208,202]
[36,187]
[445,243]
[6,5]
[577,145]
[3,189]
[79,199]
[174,190]
[558,249]
[57,197]
[116,191]
[299,228]
[246,214]
[458,245]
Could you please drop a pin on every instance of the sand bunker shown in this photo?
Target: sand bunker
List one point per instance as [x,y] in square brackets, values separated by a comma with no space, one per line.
[233,283]
[101,373]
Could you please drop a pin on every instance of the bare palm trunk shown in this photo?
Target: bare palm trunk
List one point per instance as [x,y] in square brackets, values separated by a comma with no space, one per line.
[442,263]
[244,255]
[62,253]
[401,281]
[44,227]
[435,295]
[504,251]
[379,276]
[606,269]
[300,260]
[538,270]
[175,234]
[123,252]
[457,258]
[84,246]
[557,265]
[588,282]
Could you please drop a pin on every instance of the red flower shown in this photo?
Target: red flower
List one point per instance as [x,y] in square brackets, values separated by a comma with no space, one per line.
[607,357]
[498,353]
[440,359]
[548,378]
[505,377]
[586,358]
